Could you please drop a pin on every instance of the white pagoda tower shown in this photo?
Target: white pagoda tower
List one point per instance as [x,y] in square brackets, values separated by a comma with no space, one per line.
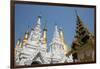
[58,48]
[33,48]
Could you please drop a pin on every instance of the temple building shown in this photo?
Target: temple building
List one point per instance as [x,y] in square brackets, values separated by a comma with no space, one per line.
[83,44]
[32,49]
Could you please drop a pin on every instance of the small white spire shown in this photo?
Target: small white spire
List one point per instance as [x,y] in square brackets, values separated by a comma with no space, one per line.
[39,20]
[56,36]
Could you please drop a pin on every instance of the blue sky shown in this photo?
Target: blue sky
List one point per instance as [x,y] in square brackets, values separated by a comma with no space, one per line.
[65,17]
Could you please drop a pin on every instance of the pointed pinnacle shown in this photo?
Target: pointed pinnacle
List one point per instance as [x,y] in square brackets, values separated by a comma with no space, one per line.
[39,16]
[76,12]
[45,26]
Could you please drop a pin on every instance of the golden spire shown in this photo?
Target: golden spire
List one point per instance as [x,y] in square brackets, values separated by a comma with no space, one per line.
[66,49]
[19,43]
[44,35]
[26,36]
[61,35]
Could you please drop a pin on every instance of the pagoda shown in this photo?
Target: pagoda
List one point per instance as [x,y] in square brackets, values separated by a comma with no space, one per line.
[83,43]
[32,49]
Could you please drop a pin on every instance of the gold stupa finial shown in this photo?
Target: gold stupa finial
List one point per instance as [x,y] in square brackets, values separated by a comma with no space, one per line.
[44,37]
[26,36]
[19,44]
[66,49]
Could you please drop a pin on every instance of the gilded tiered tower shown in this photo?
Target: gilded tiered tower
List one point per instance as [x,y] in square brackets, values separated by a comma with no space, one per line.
[83,43]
